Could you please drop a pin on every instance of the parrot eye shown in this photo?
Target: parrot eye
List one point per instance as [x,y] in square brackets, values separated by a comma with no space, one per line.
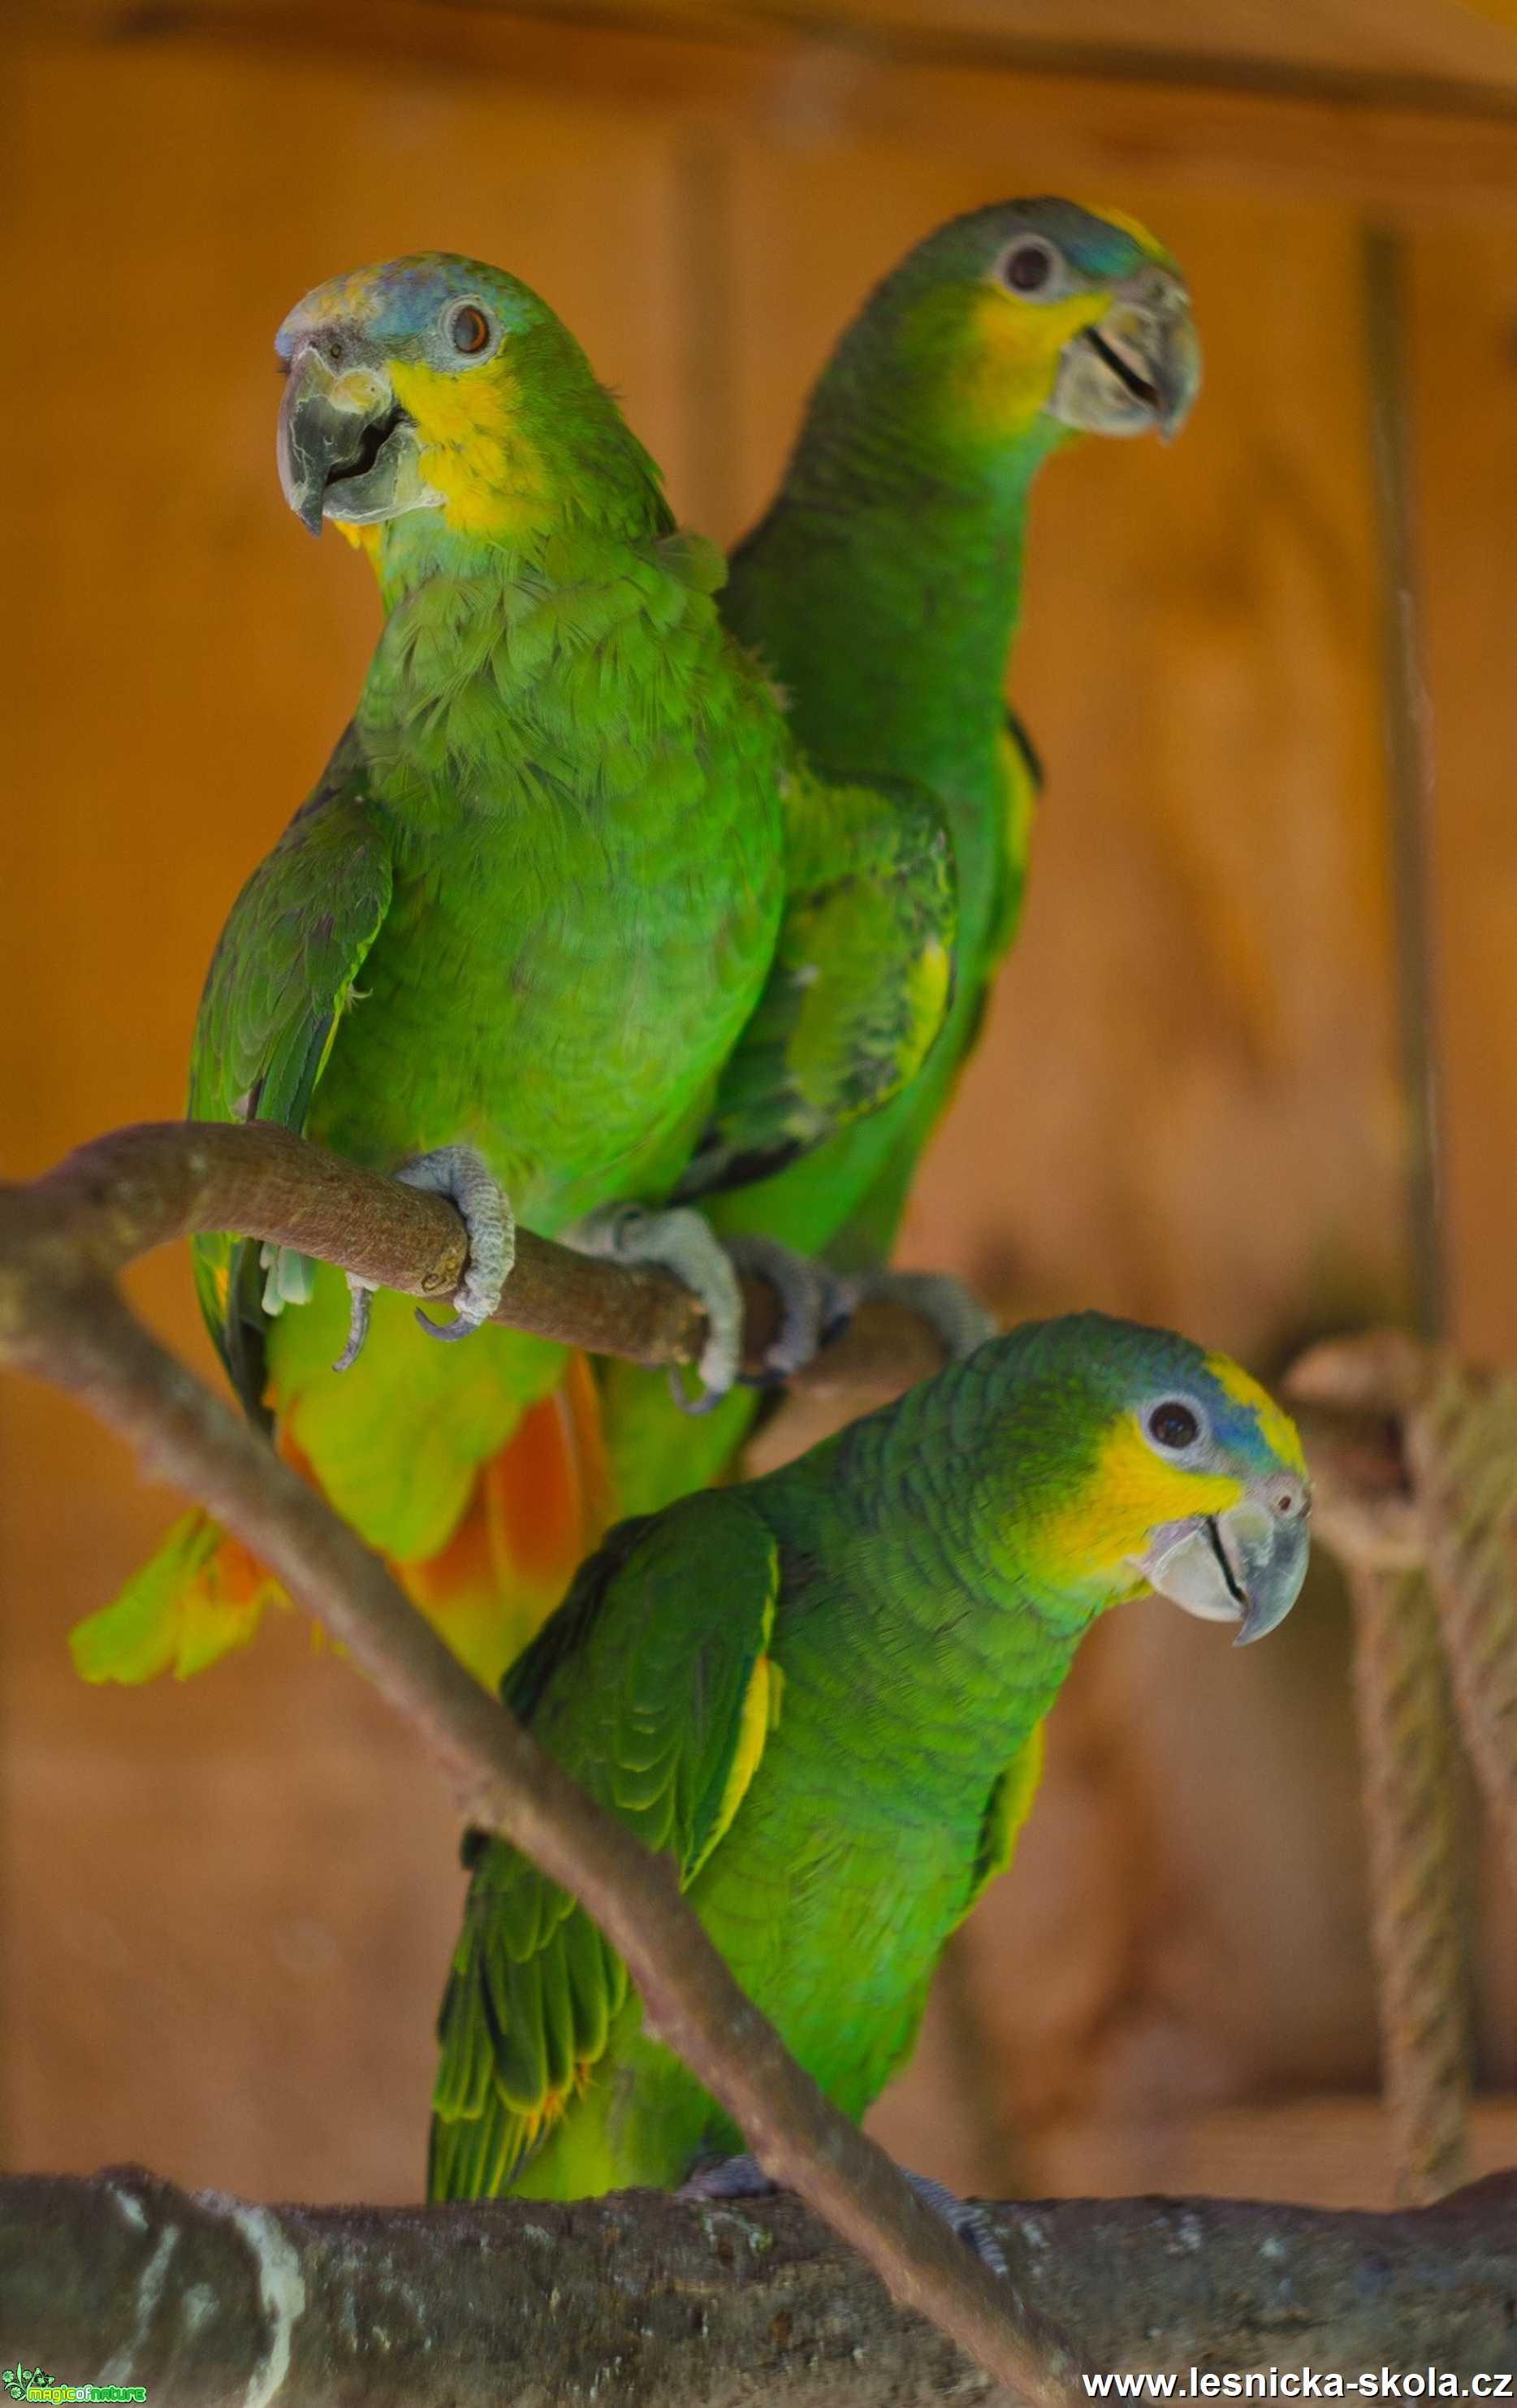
[1029,265]
[468,328]
[1173,1424]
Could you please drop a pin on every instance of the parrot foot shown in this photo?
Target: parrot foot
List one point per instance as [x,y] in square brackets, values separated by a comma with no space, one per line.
[684,1243]
[458,1172]
[946,1306]
[811,1298]
[745,2178]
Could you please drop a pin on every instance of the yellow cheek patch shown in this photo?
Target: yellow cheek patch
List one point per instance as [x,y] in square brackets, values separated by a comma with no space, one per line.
[1007,369]
[473,450]
[1130,1492]
[1279,1432]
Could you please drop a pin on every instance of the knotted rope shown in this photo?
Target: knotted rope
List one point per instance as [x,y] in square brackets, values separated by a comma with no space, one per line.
[1414,1459]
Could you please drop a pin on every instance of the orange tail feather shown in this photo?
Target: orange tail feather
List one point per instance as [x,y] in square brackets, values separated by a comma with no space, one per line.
[538,1508]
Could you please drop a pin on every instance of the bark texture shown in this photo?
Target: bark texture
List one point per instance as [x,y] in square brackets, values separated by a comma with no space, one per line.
[642,2301]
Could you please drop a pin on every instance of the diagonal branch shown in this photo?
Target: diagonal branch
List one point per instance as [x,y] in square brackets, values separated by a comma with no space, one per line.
[63,1320]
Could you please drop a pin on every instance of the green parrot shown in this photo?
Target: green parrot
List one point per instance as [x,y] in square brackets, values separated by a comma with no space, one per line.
[507,946]
[883,589]
[821,1694]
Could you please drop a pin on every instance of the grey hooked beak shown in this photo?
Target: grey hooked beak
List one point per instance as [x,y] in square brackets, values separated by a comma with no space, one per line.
[1245,1564]
[344,444]
[1139,367]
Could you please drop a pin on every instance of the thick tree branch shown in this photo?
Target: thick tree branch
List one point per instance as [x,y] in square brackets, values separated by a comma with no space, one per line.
[61,1320]
[649,2304]
[138,1188]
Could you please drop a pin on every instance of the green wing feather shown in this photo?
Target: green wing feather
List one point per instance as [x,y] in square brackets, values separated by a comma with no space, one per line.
[642,1686]
[279,979]
[862,980]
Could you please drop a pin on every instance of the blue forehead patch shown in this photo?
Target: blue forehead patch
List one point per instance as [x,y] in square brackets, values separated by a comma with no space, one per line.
[395,305]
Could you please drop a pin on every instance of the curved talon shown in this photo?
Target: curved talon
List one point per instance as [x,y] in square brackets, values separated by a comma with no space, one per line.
[462,1325]
[694,1407]
[359,1305]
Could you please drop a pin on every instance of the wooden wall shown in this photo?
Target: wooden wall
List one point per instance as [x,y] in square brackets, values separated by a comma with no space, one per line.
[225,1909]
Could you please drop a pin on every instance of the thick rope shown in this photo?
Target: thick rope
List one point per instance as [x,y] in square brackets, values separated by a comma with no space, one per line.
[1462,1448]
[1410,1792]
[1427,1554]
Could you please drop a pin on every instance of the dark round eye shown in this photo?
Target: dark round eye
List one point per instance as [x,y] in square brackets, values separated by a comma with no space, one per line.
[468,328]
[1173,1424]
[1028,267]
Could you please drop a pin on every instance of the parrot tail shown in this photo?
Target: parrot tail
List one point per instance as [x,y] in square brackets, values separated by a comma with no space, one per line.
[538,1508]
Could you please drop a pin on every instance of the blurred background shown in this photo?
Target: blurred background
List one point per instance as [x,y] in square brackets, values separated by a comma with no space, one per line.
[1253,1069]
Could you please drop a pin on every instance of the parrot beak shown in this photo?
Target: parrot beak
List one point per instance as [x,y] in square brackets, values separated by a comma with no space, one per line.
[1245,1564]
[1139,367]
[347,450]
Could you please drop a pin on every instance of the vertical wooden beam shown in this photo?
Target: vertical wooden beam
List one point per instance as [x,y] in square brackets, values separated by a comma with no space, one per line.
[1407,771]
[1463,299]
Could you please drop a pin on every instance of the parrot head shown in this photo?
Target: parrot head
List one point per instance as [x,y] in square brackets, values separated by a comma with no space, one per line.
[1031,316]
[435,383]
[1162,1468]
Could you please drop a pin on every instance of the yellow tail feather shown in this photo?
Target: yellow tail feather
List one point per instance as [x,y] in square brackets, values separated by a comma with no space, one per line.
[198,1597]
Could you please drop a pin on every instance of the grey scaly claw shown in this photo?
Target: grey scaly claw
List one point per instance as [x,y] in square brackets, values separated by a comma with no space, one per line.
[745,2178]
[360,1302]
[461,1174]
[811,1300]
[682,1242]
[957,1315]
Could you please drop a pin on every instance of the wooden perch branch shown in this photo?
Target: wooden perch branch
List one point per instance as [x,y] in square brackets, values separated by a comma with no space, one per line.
[62,1319]
[203,2300]
[123,1194]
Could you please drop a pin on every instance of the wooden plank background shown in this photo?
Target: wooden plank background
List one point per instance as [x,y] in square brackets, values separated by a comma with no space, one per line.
[225,1909]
